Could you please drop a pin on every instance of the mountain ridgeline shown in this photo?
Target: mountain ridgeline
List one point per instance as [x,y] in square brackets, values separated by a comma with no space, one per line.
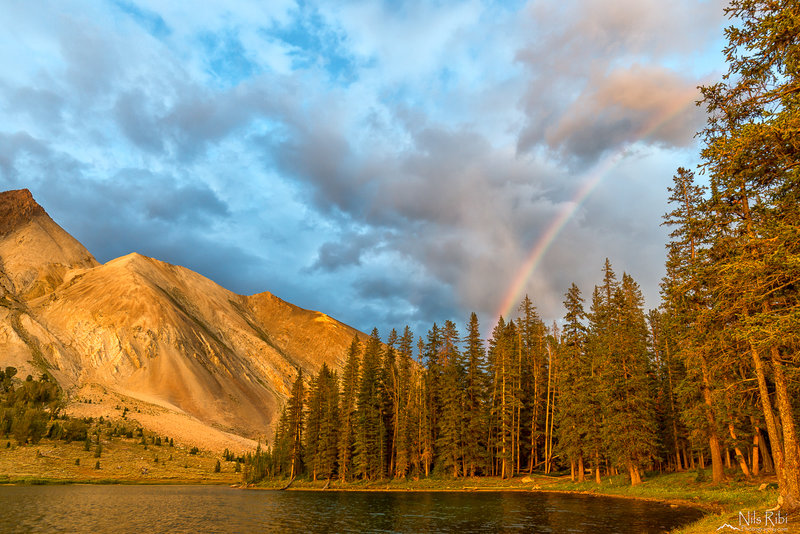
[139,330]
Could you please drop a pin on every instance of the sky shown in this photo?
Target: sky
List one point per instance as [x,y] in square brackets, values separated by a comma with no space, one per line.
[387,163]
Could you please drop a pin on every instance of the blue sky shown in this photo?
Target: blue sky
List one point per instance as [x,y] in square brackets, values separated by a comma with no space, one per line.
[387,163]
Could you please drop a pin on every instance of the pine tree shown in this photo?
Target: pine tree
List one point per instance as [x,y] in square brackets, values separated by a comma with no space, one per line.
[573,414]
[405,403]
[312,428]
[322,424]
[685,290]
[475,385]
[347,410]
[330,422]
[390,401]
[533,371]
[630,427]
[450,444]
[370,438]
[295,416]
[503,364]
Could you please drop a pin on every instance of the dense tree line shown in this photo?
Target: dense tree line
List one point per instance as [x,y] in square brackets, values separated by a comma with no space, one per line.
[530,398]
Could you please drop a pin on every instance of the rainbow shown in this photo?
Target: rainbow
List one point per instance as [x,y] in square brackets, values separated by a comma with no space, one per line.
[520,281]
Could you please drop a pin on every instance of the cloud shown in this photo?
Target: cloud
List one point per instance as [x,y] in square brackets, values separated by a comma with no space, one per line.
[387,163]
[645,104]
[598,79]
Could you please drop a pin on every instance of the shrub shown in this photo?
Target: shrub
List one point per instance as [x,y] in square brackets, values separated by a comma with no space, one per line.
[75,430]
[217,467]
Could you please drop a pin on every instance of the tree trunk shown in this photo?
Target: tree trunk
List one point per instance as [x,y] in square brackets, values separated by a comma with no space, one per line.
[718,473]
[597,466]
[739,456]
[766,454]
[766,406]
[790,490]
[754,462]
[581,469]
[636,478]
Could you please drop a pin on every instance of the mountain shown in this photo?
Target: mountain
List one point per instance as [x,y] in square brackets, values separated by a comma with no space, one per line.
[186,356]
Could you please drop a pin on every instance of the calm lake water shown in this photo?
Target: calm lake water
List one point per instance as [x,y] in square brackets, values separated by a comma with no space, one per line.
[149,509]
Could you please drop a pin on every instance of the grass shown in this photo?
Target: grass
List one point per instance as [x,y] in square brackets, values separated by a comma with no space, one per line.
[122,461]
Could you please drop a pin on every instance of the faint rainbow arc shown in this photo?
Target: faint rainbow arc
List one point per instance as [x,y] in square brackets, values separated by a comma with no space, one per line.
[601,170]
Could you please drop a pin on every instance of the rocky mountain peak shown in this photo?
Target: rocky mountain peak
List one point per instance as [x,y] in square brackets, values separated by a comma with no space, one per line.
[17,207]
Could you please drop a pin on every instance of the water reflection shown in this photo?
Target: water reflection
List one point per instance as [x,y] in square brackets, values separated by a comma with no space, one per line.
[148,509]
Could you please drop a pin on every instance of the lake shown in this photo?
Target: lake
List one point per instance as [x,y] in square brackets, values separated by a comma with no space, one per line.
[149,509]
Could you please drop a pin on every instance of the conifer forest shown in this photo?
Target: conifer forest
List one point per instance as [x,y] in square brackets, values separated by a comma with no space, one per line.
[708,379]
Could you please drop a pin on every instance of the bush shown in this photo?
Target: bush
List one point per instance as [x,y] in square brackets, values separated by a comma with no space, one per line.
[700,475]
[77,461]
[29,425]
[194,450]
[217,467]
[97,464]
[75,430]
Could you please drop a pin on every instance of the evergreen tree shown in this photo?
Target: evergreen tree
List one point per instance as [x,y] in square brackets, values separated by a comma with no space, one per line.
[573,413]
[475,384]
[405,404]
[370,442]
[450,444]
[630,426]
[390,401]
[504,370]
[347,410]
[295,416]
[688,300]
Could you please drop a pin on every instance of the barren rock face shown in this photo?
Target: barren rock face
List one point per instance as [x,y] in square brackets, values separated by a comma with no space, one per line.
[17,208]
[151,331]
